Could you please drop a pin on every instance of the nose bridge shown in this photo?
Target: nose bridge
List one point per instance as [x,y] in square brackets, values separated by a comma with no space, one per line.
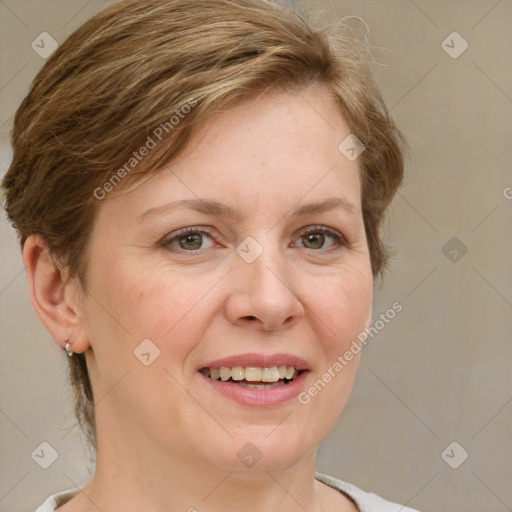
[264,291]
[268,273]
[266,276]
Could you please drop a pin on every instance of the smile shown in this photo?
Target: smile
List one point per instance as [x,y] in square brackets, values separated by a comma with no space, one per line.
[254,377]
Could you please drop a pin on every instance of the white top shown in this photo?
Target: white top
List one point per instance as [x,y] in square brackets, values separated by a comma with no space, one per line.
[366,502]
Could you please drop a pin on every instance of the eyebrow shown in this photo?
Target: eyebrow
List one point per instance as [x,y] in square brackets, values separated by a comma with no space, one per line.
[206,206]
[210,207]
[326,204]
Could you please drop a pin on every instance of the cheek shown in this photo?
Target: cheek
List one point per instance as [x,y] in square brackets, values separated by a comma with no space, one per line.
[343,310]
[133,303]
[343,304]
[129,304]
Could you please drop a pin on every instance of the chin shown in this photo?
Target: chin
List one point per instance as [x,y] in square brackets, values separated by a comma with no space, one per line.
[264,452]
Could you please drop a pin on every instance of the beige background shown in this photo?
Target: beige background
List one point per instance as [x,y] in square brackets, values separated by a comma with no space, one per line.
[440,371]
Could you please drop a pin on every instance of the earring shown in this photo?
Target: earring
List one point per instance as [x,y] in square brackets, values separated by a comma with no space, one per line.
[68,350]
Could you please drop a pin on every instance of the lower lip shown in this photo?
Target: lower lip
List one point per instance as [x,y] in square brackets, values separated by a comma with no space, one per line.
[269,397]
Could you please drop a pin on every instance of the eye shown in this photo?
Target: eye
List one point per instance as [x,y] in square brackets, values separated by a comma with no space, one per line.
[189,239]
[320,237]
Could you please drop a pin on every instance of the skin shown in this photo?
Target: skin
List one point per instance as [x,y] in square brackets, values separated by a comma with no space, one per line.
[166,440]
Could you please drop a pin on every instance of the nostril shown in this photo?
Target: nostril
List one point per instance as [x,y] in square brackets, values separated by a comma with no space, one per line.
[250,317]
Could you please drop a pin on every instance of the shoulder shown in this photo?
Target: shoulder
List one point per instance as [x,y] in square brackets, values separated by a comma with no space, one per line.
[366,501]
[56,500]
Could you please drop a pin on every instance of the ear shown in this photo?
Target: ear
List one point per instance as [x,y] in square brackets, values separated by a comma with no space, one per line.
[55,300]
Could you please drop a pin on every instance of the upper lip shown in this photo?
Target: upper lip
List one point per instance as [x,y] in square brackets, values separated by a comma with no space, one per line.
[259,360]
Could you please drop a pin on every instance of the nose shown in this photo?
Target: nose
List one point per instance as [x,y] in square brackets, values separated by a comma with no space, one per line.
[263,294]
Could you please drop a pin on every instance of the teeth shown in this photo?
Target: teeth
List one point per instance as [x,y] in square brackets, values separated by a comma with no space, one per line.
[272,374]
[238,373]
[253,374]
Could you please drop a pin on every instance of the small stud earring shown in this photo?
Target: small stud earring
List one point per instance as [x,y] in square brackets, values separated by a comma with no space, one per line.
[68,350]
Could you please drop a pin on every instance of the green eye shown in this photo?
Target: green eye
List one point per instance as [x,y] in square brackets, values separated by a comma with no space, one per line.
[191,241]
[188,240]
[320,237]
[314,241]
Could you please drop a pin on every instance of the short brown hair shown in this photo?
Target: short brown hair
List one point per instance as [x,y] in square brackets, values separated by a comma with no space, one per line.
[133,66]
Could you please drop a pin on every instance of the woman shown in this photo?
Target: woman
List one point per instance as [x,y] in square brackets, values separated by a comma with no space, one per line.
[198,189]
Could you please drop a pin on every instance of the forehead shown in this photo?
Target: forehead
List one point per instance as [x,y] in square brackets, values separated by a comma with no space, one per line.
[276,148]
[277,125]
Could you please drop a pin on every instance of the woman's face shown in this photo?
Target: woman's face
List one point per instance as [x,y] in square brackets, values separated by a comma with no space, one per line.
[250,248]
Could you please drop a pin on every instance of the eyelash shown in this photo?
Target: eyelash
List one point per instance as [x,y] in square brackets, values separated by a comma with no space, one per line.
[168,240]
[339,240]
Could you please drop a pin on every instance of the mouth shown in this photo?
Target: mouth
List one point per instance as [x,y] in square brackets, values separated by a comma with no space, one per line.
[256,380]
[254,377]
